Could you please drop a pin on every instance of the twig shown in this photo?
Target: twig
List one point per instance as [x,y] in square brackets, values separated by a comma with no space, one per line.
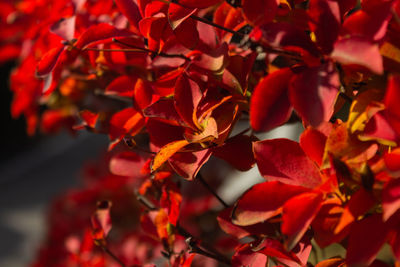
[145,202]
[112,255]
[207,250]
[162,54]
[208,187]
[216,25]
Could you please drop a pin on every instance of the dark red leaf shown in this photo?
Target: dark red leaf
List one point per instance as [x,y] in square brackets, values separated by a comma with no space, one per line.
[259,12]
[313,93]
[391,198]
[131,11]
[49,61]
[187,98]
[263,201]
[297,218]
[186,33]
[238,145]
[188,164]
[177,14]
[245,256]
[199,4]
[325,22]
[164,109]
[225,222]
[123,86]
[364,244]
[313,142]
[358,51]
[270,106]
[283,160]
[99,32]
[275,249]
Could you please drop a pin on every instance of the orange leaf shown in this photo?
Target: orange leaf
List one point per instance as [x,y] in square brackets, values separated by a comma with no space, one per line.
[166,152]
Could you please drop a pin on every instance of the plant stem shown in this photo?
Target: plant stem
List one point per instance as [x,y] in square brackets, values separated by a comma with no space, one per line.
[162,54]
[208,187]
[112,255]
[207,250]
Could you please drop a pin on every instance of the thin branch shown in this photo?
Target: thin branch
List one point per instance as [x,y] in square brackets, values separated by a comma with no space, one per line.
[112,255]
[162,54]
[211,252]
[206,250]
[194,248]
[209,188]
[206,21]
[145,202]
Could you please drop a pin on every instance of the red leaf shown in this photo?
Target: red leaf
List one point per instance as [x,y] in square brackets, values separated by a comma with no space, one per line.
[225,222]
[188,164]
[164,109]
[171,200]
[392,160]
[127,164]
[99,32]
[284,160]
[49,61]
[358,51]
[263,201]
[238,145]
[245,256]
[297,218]
[126,121]
[313,142]
[378,128]
[371,22]
[169,134]
[325,22]
[153,29]
[313,93]
[177,14]
[199,4]
[273,248]
[123,86]
[288,36]
[101,221]
[391,96]
[364,244]
[65,28]
[325,221]
[143,94]
[360,203]
[214,61]
[130,10]
[187,98]
[259,12]
[270,106]
[186,33]
[89,118]
[391,198]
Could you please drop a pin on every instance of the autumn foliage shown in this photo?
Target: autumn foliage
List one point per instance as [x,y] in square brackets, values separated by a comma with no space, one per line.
[177,84]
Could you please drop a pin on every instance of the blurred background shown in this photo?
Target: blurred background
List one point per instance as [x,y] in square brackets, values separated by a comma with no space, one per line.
[33,171]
